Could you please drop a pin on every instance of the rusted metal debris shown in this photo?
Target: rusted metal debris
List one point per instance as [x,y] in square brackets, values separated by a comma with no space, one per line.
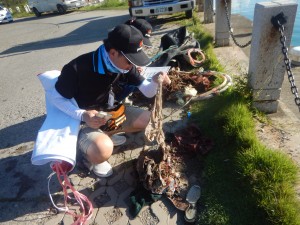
[201,81]
[169,176]
[163,171]
[164,176]
[198,79]
[180,80]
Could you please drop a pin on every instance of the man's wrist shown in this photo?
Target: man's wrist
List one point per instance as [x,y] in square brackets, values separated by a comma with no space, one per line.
[82,116]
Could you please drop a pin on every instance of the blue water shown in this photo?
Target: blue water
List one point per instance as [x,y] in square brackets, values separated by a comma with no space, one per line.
[246,8]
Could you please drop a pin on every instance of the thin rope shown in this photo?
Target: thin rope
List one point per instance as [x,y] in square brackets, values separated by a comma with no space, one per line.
[84,203]
[154,130]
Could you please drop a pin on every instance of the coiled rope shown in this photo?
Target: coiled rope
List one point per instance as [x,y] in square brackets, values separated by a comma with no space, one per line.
[191,56]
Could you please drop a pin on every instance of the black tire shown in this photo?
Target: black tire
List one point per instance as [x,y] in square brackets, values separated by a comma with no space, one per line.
[61,9]
[36,12]
[189,14]
[141,17]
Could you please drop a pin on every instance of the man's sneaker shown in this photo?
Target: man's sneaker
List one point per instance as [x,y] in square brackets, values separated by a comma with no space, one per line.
[103,169]
[118,140]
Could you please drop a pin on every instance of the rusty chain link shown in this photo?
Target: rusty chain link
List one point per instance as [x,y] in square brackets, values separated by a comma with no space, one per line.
[230,28]
[287,63]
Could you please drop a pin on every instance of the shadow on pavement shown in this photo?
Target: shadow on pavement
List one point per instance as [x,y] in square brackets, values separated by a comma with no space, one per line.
[20,133]
[23,186]
[83,35]
[33,17]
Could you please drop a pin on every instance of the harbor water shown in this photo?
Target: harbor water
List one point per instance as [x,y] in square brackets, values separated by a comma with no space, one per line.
[246,8]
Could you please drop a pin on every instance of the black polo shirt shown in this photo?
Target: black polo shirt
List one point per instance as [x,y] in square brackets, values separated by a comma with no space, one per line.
[90,89]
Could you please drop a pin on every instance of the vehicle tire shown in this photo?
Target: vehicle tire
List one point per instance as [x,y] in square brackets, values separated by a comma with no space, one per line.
[36,12]
[141,17]
[61,9]
[189,14]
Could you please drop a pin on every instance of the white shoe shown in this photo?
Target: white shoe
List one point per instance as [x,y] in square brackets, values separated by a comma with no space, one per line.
[193,194]
[118,140]
[192,197]
[103,169]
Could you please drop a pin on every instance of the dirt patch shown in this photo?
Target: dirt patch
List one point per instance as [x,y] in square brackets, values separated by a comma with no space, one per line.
[278,138]
[269,135]
[148,218]
[113,215]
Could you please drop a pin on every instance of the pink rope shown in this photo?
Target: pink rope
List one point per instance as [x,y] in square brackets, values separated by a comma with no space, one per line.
[86,206]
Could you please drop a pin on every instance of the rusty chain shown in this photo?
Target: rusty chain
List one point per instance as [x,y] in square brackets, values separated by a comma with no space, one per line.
[230,28]
[287,61]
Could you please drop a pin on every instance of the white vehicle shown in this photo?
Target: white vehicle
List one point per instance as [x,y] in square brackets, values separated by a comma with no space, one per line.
[5,15]
[145,8]
[61,6]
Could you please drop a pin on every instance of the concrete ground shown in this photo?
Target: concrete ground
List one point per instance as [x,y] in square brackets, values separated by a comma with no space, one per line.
[24,188]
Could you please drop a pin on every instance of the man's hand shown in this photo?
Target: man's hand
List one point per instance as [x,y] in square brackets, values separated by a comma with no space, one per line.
[140,69]
[161,75]
[92,120]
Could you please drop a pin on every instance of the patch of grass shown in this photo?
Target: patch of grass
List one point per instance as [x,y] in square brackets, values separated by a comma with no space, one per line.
[272,177]
[107,4]
[218,81]
[245,182]
[22,14]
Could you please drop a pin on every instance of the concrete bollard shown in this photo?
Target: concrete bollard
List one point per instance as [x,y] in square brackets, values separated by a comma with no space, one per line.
[200,5]
[27,9]
[266,65]
[18,9]
[208,11]
[221,26]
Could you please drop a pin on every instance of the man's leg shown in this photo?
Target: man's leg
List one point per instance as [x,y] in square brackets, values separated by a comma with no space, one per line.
[137,119]
[96,147]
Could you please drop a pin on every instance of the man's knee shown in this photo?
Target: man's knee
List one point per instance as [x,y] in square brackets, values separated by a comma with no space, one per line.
[142,121]
[101,149]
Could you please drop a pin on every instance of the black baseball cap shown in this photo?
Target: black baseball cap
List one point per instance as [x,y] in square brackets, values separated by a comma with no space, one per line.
[129,41]
[144,27]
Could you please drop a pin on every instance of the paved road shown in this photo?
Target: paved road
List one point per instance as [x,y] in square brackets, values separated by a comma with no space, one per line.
[33,45]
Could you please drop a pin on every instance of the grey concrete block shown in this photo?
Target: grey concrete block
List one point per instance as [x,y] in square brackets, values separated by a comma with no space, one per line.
[266,106]
[208,11]
[266,94]
[266,69]
[221,26]
[221,42]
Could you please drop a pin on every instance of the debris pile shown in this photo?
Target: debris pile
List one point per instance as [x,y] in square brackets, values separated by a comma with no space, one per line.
[164,176]
[185,85]
[164,170]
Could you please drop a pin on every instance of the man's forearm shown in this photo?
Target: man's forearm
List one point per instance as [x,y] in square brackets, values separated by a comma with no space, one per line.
[65,105]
